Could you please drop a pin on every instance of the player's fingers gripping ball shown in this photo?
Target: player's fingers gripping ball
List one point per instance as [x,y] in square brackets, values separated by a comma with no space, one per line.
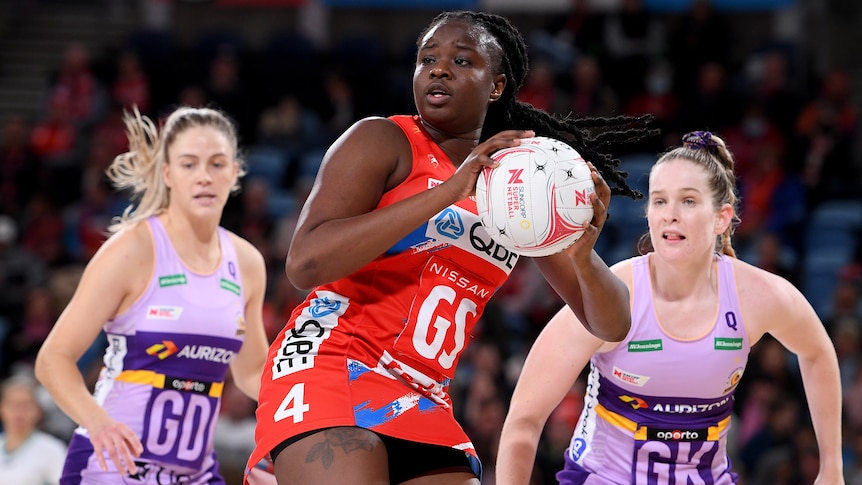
[536,202]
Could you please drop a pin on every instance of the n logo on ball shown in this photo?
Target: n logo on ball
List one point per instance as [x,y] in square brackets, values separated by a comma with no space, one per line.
[536,202]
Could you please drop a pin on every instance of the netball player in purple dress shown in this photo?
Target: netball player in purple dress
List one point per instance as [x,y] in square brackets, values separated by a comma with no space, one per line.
[180,300]
[658,404]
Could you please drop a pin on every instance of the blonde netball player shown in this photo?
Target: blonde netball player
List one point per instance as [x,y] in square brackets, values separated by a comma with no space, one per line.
[180,300]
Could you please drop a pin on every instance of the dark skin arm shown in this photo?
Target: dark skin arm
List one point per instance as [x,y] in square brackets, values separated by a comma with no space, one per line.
[599,299]
[339,231]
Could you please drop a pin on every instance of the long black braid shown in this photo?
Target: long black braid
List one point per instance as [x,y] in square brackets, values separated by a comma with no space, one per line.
[508,113]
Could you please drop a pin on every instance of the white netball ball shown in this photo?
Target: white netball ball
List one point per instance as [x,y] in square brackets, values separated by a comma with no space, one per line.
[537,200]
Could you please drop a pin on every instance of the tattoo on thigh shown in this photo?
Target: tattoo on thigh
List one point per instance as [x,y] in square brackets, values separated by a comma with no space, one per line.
[348,439]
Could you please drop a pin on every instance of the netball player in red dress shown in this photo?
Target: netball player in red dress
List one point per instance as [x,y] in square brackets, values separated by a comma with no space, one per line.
[400,270]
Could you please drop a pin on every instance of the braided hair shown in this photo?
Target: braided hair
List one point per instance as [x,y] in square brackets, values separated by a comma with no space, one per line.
[509,113]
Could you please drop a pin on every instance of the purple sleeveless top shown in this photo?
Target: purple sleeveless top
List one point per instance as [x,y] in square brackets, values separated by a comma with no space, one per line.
[166,361]
[657,408]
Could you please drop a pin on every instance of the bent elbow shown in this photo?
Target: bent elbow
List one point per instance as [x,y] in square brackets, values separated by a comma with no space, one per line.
[619,336]
[40,370]
[249,385]
[615,331]
[299,273]
[619,333]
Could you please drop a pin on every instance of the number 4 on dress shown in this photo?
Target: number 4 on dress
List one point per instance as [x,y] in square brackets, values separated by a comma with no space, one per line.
[293,405]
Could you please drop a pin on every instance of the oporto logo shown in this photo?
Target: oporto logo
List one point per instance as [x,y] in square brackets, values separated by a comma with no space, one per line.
[324,306]
[449,224]
[677,434]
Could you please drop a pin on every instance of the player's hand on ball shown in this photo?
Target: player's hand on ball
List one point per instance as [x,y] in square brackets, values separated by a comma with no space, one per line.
[538,199]
[463,182]
[600,199]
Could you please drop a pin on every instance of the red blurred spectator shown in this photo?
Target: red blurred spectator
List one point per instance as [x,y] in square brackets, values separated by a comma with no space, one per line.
[833,107]
[53,138]
[194,96]
[590,95]
[657,97]
[289,125]
[712,103]
[632,37]
[20,270]
[699,36]
[36,323]
[111,132]
[19,168]
[584,27]
[826,128]
[750,136]
[340,105]
[224,87]
[76,77]
[773,91]
[93,216]
[255,223]
[540,89]
[131,87]
[769,254]
[42,231]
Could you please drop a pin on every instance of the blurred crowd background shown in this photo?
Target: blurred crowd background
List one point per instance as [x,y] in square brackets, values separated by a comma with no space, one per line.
[778,80]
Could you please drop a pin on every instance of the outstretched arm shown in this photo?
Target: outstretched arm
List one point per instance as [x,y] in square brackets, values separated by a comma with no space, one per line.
[107,282]
[823,390]
[553,365]
[780,309]
[247,367]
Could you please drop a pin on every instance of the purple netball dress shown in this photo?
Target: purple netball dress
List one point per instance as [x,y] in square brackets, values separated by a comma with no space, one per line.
[164,370]
[657,408]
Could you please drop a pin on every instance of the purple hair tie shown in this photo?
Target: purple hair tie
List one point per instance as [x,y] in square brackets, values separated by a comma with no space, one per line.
[699,140]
